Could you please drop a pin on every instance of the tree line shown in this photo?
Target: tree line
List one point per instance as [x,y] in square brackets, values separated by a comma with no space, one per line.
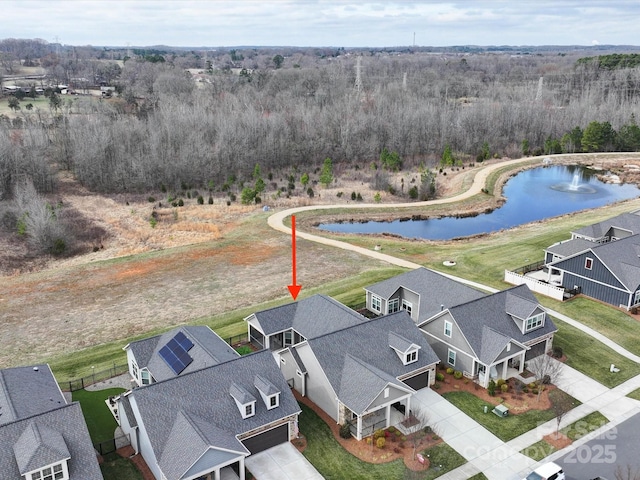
[167,130]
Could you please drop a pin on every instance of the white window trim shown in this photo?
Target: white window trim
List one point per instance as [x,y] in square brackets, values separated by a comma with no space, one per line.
[245,413]
[275,396]
[376,300]
[391,303]
[287,342]
[38,474]
[534,322]
[588,263]
[449,352]
[408,306]
[450,329]
[411,356]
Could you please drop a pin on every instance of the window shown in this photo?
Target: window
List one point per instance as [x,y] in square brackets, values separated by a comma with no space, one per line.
[248,410]
[376,303]
[534,322]
[447,328]
[145,377]
[407,306]
[411,357]
[134,370]
[451,358]
[394,305]
[56,472]
[273,401]
[288,338]
[636,297]
[588,263]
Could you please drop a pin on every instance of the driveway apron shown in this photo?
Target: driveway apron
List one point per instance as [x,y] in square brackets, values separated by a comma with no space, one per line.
[282,462]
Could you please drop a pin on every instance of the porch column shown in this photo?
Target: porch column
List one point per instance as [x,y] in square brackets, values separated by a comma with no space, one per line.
[242,468]
[408,409]
[216,474]
[504,368]
[359,431]
[388,415]
[521,366]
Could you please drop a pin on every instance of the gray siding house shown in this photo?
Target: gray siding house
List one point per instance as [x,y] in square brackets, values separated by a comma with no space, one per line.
[493,336]
[41,435]
[609,272]
[176,352]
[421,292]
[204,423]
[364,374]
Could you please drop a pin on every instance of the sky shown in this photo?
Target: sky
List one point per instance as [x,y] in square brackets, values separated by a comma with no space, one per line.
[322,23]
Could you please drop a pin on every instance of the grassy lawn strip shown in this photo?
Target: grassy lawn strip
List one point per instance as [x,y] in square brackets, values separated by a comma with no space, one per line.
[99,420]
[349,291]
[506,428]
[611,322]
[577,429]
[477,476]
[593,358]
[118,468]
[635,394]
[335,463]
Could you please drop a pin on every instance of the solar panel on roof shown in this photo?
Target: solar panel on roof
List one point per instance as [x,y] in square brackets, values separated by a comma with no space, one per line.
[175,354]
[184,342]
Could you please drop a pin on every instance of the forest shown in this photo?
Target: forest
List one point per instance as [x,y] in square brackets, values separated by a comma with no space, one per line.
[205,119]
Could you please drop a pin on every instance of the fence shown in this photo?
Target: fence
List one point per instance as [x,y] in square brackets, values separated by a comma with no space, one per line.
[368,429]
[532,267]
[238,339]
[557,293]
[110,446]
[95,377]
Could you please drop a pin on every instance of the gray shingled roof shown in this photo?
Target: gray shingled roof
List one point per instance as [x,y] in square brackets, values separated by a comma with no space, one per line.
[399,343]
[38,446]
[629,221]
[203,397]
[570,247]
[71,431]
[621,257]
[26,391]
[436,290]
[310,317]
[358,360]
[208,349]
[487,326]
[125,407]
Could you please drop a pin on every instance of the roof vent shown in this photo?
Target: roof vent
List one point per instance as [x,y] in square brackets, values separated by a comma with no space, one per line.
[441,307]
[35,369]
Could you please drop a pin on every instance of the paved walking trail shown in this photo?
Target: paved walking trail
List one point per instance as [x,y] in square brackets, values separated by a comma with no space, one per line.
[483,451]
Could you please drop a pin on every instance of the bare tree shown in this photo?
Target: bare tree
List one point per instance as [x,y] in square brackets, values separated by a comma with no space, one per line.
[561,406]
[546,369]
[417,423]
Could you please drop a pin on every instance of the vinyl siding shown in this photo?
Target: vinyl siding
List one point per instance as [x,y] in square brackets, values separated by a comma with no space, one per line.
[598,271]
[595,290]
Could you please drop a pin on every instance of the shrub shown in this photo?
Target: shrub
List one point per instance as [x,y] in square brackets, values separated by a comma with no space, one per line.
[525,390]
[244,350]
[151,199]
[200,200]
[369,440]
[310,192]
[377,198]
[345,430]
[439,377]
[396,450]
[436,386]
[534,391]
[181,203]
[500,382]
[378,434]
[457,374]
[546,380]
[353,195]
[450,371]
[210,200]
[380,442]
[413,192]
[504,387]
[58,247]
[359,197]
[228,203]
[339,194]
[532,385]
[557,352]
[153,222]
[491,389]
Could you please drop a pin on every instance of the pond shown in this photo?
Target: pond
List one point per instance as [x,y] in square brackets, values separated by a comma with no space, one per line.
[531,195]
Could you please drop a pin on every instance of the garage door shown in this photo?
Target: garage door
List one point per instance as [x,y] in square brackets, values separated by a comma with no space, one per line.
[419,381]
[267,439]
[535,351]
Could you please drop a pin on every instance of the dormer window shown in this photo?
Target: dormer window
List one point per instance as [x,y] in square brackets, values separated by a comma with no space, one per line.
[245,402]
[534,322]
[394,305]
[411,357]
[54,472]
[268,391]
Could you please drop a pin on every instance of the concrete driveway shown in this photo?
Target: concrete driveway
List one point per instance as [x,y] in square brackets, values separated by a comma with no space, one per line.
[283,462]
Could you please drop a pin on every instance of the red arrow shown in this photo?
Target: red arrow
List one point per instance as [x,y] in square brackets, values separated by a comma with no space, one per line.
[294,288]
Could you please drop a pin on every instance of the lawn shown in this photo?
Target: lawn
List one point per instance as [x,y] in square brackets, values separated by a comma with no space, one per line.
[614,324]
[577,429]
[506,428]
[118,468]
[593,358]
[99,419]
[635,394]
[334,462]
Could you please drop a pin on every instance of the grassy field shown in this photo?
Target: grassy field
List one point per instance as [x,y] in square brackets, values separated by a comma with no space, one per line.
[506,428]
[99,419]
[593,358]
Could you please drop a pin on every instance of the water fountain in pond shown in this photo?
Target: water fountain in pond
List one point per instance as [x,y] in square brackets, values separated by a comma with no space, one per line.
[575,186]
